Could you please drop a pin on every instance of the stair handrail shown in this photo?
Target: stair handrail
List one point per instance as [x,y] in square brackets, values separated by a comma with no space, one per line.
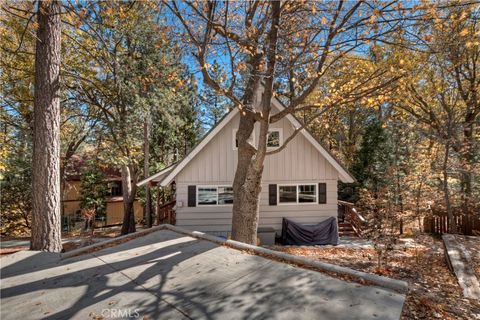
[166,213]
[360,217]
[171,203]
[354,217]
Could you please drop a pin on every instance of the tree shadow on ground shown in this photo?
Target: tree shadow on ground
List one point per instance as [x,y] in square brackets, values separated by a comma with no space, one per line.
[96,280]
[170,276]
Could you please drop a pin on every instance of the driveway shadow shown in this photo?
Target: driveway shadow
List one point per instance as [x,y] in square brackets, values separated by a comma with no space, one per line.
[63,289]
[166,275]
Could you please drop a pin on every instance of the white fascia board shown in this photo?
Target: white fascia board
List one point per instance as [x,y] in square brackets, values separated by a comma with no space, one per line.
[165,182]
[155,176]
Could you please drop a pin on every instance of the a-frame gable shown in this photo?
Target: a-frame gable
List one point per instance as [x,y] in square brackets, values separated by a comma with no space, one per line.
[170,175]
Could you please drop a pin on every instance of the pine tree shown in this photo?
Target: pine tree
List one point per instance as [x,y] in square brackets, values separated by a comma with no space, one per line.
[371,160]
[46,231]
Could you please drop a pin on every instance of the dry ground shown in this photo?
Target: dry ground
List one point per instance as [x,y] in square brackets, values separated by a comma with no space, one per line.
[433,290]
[71,240]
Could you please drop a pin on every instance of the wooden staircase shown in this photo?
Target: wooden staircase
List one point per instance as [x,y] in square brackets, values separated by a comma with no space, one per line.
[166,213]
[345,229]
[350,222]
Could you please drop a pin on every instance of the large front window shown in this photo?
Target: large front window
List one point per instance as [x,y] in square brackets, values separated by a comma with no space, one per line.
[225,195]
[207,195]
[307,193]
[214,195]
[288,194]
[301,193]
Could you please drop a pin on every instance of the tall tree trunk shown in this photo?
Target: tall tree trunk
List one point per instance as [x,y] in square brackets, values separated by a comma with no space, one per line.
[46,229]
[148,197]
[248,176]
[452,227]
[129,186]
[246,187]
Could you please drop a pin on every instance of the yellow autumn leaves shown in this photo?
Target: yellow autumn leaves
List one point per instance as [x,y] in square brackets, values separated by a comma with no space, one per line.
[354,80]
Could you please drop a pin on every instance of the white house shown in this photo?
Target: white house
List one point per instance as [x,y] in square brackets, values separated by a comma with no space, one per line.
[299,183]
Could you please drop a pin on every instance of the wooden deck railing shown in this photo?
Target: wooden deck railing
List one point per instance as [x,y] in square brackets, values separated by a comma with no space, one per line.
[352,216]
[166,213]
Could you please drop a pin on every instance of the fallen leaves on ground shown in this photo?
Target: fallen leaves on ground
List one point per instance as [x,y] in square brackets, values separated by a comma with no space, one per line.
[433,290]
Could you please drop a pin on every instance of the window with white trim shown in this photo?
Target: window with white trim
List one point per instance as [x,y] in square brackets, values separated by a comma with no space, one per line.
[274,138]
[307,193]
[225,195]
[297,193]
[251,140]
[214,195]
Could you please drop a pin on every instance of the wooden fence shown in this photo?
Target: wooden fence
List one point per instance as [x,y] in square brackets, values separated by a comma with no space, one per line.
[467,224]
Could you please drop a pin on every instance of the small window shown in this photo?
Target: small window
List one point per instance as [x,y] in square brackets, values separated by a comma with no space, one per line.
[235,141]
[302,193]
[213,195]
[274,138]
[115,188]
[207,196]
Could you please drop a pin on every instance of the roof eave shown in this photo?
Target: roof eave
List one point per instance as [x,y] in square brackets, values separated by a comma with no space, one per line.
[156,176]
[202,143]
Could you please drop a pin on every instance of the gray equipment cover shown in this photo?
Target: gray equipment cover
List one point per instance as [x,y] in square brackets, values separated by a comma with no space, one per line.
[325,232]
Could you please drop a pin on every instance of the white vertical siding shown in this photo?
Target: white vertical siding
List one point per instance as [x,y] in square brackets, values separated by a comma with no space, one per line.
[219,218]
[300,162]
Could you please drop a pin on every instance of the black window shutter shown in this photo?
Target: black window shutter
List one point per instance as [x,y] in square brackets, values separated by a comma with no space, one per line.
[322,193]
[192,196]
[272,194]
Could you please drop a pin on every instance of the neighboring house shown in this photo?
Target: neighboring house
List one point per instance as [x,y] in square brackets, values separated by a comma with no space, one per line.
[114,200]
[299,183]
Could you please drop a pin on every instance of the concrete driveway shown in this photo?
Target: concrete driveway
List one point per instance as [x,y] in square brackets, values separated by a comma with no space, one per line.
[167,275]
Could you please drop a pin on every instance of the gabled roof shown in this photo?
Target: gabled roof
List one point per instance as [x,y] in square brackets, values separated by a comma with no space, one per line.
[202,143]
[166,177]
[160,176]
[157,176]
[79,163]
